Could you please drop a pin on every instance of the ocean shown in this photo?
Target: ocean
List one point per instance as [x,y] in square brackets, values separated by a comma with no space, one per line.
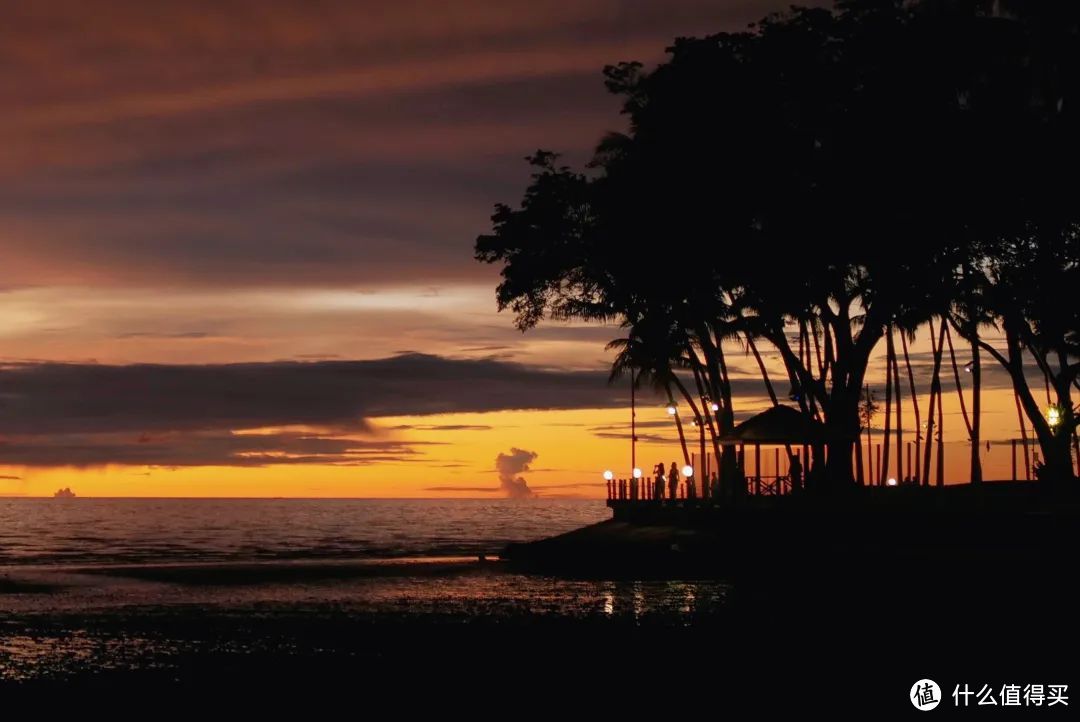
[95,588]
[123,531]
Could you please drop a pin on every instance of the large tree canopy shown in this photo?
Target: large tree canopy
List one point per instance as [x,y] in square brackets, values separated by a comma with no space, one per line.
[815,182]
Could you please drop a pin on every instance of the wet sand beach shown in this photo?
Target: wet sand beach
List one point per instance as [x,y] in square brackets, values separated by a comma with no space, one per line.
[359,627]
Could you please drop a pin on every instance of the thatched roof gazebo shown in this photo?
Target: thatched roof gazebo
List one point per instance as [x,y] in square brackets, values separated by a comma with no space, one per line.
[779,426]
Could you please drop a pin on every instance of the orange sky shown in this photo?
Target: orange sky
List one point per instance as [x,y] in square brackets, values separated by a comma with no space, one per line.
[458,450]
[201,184]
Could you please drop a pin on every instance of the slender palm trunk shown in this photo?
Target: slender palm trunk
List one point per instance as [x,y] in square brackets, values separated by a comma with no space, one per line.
[976,412]
[682,440]
[761,368]
[935,394]
[883,472]
[697,418]
[899,410]
[701,381]
[1023,435]
[699,421]
[940,439]
[679,428]
[976,472]
[869,444]
[914,405]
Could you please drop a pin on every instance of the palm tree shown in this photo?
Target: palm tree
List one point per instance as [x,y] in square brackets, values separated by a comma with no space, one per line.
[648,352]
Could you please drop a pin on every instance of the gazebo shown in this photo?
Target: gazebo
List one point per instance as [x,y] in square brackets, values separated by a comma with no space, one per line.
[778,426]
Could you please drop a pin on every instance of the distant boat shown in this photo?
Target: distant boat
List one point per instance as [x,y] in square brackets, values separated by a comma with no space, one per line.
[65,493]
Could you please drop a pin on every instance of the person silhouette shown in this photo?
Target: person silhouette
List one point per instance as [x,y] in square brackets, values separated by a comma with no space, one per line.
[658,489]
[673,482]
[795,470]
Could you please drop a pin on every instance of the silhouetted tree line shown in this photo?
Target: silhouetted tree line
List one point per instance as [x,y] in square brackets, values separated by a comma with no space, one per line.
[821,183]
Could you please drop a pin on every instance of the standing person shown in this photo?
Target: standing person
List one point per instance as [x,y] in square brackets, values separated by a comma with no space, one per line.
[673,482]
[795,469]
[659,486]
[714,486]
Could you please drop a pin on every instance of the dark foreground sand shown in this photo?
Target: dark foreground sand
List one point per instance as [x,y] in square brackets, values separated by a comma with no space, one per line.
[472,633]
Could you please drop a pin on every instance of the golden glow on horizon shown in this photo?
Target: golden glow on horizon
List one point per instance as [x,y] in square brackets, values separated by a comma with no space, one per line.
[460,463]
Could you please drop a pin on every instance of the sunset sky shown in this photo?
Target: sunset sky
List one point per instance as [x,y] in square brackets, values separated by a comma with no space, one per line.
[238,241]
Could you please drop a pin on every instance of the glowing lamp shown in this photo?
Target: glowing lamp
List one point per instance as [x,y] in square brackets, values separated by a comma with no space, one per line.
[968,366]
[608,475]
[714,406]
[688,471]
[637,473]
[1053,416]
[890,482]
[671,410]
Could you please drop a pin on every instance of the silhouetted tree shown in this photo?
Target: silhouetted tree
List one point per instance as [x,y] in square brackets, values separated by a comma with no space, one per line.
[809,184]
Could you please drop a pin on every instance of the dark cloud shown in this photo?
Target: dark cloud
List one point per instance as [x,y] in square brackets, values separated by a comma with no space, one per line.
[188,448]
[85,414]
[53,398]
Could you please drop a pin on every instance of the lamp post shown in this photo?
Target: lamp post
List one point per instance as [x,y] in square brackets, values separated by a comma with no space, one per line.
[633,427]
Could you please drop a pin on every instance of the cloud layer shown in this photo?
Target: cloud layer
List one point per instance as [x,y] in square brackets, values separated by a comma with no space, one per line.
[288,141]
[85,414]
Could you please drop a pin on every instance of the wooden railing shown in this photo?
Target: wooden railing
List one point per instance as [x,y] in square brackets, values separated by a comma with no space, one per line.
[653,489]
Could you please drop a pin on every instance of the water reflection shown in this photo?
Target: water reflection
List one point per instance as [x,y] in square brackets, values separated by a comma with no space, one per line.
[675,600]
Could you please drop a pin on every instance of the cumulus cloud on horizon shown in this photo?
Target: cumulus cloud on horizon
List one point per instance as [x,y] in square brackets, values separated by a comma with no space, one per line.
[510,467]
